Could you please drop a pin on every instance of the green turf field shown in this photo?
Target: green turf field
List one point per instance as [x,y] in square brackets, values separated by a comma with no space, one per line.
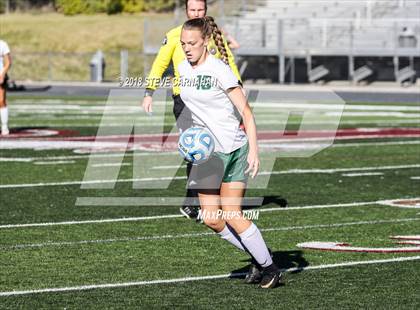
[59,253]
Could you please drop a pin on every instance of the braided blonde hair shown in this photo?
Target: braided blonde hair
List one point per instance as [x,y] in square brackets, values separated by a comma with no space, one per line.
[208,29]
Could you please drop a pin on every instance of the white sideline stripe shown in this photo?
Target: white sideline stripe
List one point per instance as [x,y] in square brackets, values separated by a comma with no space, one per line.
[111,165]
[14,159]
[415,178]
[134,219]
[292,171]
[92,182]
[88,156]
[303,171]
[260,116]
[410,142]
[370,114]
[387,122]
[301,141]
[412,237]
[192,235]
[28,159]
[153,201]
[85,109]
[361,174]
[262,173]
[299,171]
[201,278]
[167,167]
[123,219]
[62,162]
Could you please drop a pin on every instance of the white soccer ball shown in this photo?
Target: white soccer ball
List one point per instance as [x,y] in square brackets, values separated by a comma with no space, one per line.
[196,144]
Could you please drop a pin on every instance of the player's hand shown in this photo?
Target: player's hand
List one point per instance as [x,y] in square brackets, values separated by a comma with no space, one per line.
[147,104]
[253,164]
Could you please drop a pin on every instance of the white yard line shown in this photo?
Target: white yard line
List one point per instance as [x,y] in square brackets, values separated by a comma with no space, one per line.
[15,159]
[87,156]
[112,165]
[362,174]
[199,278]
[302,171]
[376,114]
[167,167]
[124,219]
[192,235]
[61,162]
[91,182]
[388,143]
[260,116]
[276,106]
[156,179]
[387,122]
[135,219]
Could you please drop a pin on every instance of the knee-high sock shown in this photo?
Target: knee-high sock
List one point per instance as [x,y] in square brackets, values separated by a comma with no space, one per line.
[227,234]
[254,243]
[4,115]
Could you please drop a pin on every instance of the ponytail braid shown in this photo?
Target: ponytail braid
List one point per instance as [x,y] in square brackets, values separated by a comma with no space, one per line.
[208,28]
[218,39]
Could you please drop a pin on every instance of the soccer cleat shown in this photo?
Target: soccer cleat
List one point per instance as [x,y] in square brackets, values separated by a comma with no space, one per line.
[271,276]
[4,130]
[190,212]
[254,274]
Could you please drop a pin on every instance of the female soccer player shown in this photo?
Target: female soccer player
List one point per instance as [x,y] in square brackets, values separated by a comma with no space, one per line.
[171,51]
[5,63]
[211,92]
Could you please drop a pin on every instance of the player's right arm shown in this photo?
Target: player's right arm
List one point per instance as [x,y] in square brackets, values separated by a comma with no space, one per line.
[160,64]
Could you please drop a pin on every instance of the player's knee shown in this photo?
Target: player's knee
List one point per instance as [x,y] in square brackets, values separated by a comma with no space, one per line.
[214,224]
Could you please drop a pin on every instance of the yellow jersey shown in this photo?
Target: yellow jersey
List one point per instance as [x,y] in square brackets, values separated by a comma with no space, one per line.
[171,50]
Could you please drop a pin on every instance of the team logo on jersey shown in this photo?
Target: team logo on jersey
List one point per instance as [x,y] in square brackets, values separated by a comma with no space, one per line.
[213,51]
[165,40]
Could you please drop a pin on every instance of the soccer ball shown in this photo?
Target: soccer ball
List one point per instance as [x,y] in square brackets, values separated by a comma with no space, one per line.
[196,145]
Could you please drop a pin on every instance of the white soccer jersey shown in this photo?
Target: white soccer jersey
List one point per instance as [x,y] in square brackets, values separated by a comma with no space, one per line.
[203,89]
[4,49]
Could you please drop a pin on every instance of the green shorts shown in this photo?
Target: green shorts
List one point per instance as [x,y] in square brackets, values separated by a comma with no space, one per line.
[221,167]
[235,164]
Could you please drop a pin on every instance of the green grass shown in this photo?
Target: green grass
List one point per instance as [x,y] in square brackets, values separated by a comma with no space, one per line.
[71,42]
[54,32]
[359,287]
[170,248]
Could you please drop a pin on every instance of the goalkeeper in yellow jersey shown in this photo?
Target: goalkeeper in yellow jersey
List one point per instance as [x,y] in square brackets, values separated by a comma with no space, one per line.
[171,51]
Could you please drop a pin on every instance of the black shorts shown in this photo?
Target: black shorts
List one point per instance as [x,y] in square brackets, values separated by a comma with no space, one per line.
[182,114]
[220,168]
[4,84]
[207,177]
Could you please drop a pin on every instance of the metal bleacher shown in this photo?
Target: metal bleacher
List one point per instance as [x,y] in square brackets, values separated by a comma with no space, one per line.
[293,29]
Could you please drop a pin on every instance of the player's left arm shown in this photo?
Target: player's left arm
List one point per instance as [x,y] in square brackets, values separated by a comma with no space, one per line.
[240,102]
